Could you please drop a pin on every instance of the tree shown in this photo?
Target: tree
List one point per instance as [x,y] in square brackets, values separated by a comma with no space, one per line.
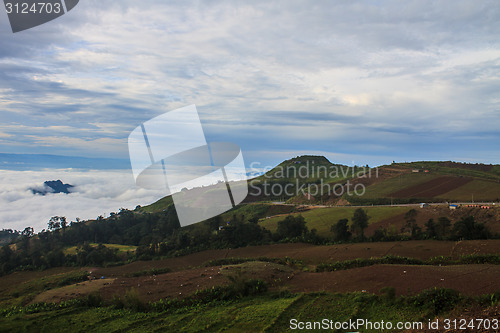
[215,222]
[240,234]
[27,232]
[444,224]
[379,235]
[411,223]
[467,228]
[431,229]
[359,222]
[54,223]
[340,230]
[63,221]
[291,227]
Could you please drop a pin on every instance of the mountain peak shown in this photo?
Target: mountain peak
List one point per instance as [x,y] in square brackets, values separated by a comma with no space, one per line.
[53,186]
[317,159]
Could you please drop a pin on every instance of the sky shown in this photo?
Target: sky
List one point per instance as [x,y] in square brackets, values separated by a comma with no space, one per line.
[360,82]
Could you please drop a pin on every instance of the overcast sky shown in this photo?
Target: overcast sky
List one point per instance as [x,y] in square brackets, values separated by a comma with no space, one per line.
[359,82]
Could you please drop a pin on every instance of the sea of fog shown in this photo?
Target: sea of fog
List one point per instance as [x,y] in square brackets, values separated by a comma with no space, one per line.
[94,193]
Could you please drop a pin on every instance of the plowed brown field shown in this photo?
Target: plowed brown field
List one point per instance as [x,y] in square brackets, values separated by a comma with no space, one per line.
[189,273]
[431,188]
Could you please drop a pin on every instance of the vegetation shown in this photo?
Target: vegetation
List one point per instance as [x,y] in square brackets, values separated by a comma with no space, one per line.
[467,228]
[291,227]
[322,219]
[149,272]
[208,311]
[359,222]
[244,302]
[484,171]
[411,224]
[235,261]
[341,231]
[396,260]
[68,244]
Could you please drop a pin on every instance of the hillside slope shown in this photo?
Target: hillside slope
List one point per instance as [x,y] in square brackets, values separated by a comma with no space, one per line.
[305,180]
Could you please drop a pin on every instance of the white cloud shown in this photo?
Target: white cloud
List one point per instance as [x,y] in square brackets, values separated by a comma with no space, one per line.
[95,193]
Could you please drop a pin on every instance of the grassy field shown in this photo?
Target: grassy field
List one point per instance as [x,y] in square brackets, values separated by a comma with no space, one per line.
[158,206]
[256,314]
[22,287]
[383,189]
[457,169]
[486,183]
[322,219]
[251,315]
[120,248]
[295,290]
[477,190]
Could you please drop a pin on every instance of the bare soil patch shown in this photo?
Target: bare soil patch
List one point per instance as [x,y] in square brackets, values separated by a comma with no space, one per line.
[190,275]
[72,291]
[183,283]
[169,285]
[407,280]
[312,254]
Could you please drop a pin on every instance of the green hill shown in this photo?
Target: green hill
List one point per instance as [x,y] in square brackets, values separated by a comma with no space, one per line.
[308,179]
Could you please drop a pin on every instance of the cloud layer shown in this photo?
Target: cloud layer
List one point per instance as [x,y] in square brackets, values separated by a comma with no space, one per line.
[95,193]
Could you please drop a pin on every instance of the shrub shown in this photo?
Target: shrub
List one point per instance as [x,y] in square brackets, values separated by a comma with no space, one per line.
[389,293]
[117,302]
[73,278]
[153,271]
[241,286]
[133,302]
[437,300]
[93,299]
[361,262]
[480,259]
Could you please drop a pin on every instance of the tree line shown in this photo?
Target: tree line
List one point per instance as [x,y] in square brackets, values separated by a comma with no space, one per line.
[466,228]
[160,234]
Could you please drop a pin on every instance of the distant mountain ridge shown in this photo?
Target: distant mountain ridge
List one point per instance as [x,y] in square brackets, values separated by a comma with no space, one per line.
[53,186]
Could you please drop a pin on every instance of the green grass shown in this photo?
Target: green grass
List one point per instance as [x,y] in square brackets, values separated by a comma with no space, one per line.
[251,314]
[158,206]
[314,168]
[24,292]
[322,219]
[385,188]
[439,167]
[308,169]
[257,210]
[480,189]
[341,308]
[121,248]
[472,259]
